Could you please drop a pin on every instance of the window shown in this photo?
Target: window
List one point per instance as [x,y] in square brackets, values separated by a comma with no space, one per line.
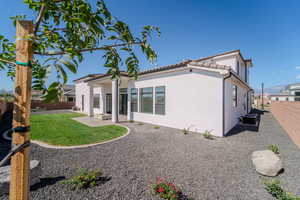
[160,100]
[71,99]
[96,103]
[238,67]
[287,99]
[244,103]
[146,100]
[246,74]
[277,99]
[234,95]
[134,100]
[82,102]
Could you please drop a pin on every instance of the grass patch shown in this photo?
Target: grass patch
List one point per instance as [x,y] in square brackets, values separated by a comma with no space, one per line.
[85,179]
[140,123]
[207,134]
[156,127]
[274,148]
[274,188]
[61,129]
[185,131]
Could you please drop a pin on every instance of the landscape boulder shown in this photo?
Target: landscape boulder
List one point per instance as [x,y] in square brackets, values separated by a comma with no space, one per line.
[267,162]
[35,173]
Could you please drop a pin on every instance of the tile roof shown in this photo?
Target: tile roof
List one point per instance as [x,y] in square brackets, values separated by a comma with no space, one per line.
[184,63]
[164,68]
[175,66]
[87,76]
[122,73]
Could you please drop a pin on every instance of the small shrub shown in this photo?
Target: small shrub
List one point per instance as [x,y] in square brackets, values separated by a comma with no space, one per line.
[85,179]
[185,131]
[207,134]
[131,121]
[140,123]
[274,188]
[165,190]
[156,127]
[274,148]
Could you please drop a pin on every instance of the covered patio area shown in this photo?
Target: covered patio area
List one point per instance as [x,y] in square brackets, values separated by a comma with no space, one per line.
[107,99]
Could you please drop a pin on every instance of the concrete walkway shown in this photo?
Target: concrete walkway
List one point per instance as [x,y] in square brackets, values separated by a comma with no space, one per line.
[94,122]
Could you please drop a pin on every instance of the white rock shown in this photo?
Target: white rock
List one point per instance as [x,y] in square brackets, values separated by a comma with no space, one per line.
[266,162]
[35,173]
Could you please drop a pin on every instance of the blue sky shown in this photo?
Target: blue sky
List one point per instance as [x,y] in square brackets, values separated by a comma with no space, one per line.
[267,31]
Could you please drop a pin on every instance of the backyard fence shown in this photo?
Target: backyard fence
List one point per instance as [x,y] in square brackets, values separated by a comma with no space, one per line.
[51,106]
[8,106]
[5,106]
[288,115]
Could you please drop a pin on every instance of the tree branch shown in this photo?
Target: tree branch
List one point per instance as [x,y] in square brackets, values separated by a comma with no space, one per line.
[7,61]
[39,18]
[84,50]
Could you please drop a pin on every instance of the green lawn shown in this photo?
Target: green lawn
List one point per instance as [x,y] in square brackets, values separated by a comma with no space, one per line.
[60,129]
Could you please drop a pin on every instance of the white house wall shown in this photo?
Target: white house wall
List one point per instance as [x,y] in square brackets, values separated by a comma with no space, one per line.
[232,62]
[98,91]
[82,88]
[193,100]
[232,113]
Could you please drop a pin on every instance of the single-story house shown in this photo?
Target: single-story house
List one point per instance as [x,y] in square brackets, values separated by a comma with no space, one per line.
[210,93]
[68,94]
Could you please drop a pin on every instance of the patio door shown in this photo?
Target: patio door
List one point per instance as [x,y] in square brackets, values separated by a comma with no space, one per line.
[123,98]
[123,104]
[82,102]
[108,106]
[123,101]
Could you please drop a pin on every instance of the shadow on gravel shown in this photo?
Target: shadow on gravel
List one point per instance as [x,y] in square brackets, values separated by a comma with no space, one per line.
[240,128]
[185,197]
[46,181]
[5,147]
[103,179]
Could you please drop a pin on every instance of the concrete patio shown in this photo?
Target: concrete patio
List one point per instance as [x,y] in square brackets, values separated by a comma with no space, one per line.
[94,122]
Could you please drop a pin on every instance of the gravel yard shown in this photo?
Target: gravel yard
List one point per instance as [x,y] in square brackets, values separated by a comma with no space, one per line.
[204,169]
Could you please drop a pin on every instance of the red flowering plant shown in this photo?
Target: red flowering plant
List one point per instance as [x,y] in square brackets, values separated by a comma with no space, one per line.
[165,190]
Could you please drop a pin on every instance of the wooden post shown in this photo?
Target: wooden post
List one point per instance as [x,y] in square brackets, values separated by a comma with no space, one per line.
[19,179]
[262,97]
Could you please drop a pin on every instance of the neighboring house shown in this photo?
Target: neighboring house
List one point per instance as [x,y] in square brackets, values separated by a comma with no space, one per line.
[68,94]
[290,93]
[204,94]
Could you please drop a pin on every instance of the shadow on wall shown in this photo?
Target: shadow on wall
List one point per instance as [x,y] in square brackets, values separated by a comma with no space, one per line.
[240,128]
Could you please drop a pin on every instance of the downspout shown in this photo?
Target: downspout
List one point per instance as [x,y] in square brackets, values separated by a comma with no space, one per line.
[223,112]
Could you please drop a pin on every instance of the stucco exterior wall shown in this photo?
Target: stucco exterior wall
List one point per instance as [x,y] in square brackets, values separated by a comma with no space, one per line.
[82,89]
[233,113]
[98,91]
[193,100]
[232,62]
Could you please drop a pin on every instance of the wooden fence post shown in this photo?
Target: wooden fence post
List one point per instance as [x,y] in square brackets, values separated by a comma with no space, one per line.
[19,179]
